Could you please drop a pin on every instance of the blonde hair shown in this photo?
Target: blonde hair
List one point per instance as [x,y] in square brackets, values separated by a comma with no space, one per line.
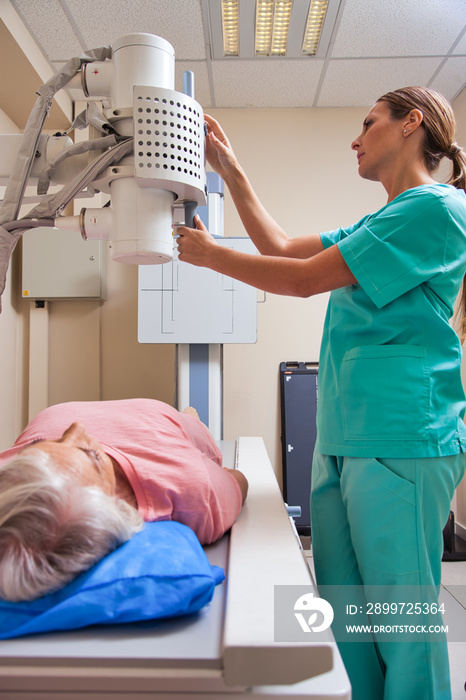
[439,142]
[52,528]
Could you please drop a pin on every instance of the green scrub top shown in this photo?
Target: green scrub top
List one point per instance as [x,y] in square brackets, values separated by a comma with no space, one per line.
[389,373]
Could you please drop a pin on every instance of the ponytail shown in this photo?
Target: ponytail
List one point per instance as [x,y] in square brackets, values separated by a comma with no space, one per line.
[458,179]
[458,159]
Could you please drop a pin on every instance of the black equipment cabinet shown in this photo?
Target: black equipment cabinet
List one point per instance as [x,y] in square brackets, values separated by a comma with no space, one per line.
[298,391]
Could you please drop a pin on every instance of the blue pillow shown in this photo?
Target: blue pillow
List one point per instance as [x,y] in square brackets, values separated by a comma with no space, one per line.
[161,572]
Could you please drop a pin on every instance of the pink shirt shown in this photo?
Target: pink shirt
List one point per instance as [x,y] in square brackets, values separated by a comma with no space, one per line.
[170,459]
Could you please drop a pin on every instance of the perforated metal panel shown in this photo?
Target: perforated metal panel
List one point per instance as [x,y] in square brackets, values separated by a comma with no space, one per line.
[169,142]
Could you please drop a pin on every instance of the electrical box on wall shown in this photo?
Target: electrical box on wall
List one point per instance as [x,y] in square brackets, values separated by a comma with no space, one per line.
[61,265]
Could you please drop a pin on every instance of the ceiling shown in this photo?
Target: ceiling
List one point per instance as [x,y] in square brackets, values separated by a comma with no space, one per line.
[377,45]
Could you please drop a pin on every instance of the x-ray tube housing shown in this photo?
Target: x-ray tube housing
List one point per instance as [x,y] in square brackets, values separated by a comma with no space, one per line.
[139,59]
[142,216]
[165,130]
[143,225]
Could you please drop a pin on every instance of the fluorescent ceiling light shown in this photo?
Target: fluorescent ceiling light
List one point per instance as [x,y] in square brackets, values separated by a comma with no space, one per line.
[262,28]
[230,27]
[272,26]
[314,24]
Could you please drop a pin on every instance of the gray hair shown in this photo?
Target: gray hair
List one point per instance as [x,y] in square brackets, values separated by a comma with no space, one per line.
[52,528]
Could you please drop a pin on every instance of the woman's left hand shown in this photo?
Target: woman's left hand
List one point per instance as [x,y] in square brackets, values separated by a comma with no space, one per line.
[195,245]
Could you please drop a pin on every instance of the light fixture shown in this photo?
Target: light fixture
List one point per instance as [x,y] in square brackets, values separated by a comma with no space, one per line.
[314,24]
[270,28]
[281,25]
[264,27]
[230,26]
[272,25]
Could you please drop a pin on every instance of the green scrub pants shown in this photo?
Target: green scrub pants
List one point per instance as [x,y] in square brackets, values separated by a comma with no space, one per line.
[379,522]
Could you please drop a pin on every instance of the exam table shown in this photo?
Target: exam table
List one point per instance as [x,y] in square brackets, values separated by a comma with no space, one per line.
[227,650]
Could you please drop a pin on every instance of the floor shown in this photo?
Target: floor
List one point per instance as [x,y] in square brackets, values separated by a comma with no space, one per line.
[453,584]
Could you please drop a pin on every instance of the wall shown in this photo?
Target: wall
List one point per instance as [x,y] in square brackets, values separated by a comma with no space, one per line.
[13,339]
[94,352]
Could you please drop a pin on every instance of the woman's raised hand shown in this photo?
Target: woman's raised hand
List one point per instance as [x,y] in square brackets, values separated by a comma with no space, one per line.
[219,152]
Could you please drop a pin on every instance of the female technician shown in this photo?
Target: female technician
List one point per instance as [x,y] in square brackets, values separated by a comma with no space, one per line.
[391,440]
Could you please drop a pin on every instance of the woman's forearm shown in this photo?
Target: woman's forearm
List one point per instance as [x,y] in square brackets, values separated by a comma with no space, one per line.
[268,237]
[284,276]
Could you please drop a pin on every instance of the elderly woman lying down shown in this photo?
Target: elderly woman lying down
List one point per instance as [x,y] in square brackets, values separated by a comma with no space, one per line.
[83,477]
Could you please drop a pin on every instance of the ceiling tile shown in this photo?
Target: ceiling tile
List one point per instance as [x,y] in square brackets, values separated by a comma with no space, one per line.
[266,83]
[177,21]
[451,79]
[51,28]
[358,82]
[398,27]
[461,45]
